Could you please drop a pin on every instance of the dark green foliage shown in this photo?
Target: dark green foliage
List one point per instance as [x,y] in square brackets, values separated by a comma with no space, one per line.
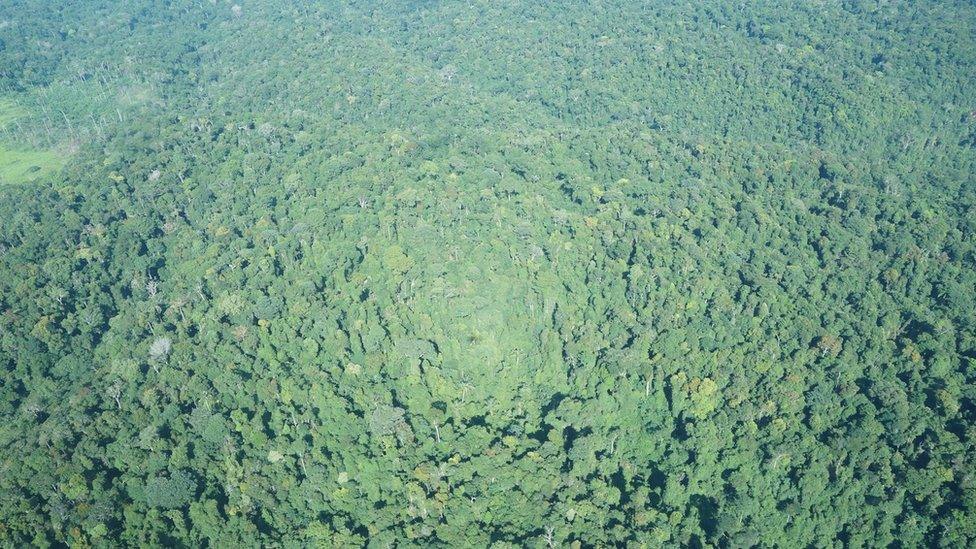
[171,492]
[489,273]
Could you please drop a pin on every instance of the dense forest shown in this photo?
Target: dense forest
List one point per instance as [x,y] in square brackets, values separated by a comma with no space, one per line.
[490,273]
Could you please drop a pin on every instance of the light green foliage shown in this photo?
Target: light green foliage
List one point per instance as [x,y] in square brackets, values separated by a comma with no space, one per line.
[19,162]
[18,166]
[488,273]
[10,112]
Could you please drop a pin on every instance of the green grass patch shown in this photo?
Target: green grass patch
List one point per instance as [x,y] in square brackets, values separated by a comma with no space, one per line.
[20,164]
[24,166]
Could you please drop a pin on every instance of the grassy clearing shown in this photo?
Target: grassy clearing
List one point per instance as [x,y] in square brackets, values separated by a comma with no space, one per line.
[19,164]
[24,166]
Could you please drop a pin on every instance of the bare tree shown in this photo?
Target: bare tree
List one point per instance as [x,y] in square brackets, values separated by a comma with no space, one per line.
[160,348]
[115,392]
[448,72]
[549,537]
[152,287]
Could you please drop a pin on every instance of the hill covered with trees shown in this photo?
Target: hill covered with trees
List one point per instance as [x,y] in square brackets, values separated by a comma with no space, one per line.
[488,273]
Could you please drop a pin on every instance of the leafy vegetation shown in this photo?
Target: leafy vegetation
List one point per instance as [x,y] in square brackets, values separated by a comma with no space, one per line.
[488,273]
